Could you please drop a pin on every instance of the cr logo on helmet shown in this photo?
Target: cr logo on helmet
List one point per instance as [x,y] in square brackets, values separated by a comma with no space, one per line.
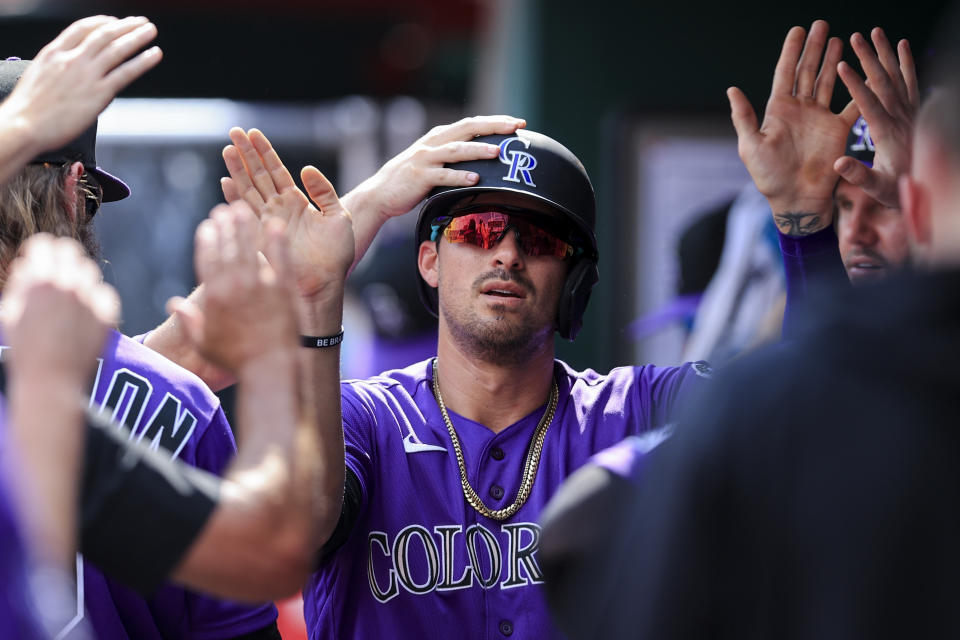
[520,161]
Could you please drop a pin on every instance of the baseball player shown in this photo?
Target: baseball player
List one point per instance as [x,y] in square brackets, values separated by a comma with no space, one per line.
[159,402]
[132,497]
[796,157]
[449,465]
[449,462]
[248,535]
[870,226]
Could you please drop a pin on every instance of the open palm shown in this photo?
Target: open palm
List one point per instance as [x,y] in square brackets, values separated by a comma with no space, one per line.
[790,156]
[320,232]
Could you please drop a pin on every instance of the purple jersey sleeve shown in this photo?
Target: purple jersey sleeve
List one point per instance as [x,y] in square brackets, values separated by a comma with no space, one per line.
[627,458]
[808,261]
[216,441]
[358,412]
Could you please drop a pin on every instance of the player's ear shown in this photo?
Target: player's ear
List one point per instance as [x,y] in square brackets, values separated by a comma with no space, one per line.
[916,210]
[70,201]
[427,262]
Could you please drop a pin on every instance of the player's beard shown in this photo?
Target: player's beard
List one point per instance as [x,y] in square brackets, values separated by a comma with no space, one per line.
[505,340]
[87,237]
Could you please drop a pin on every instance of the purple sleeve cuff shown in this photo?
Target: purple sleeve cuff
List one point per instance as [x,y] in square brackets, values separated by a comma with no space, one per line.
[809,262]
[627,458]
[821,242]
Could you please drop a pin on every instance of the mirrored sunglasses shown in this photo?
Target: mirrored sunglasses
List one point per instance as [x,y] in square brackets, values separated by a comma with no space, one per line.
[487,227]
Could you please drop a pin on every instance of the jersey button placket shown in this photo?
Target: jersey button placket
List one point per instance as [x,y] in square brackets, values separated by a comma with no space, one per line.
[497,454]
[506,627]
[496,492]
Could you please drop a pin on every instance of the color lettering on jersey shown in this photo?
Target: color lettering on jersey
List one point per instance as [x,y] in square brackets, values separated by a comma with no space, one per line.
[389,566]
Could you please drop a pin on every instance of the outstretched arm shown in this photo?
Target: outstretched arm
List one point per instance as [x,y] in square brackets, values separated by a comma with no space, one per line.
[888,101]
[253,534]
[790,155]
[790,158]
[69,83]
[53,290]
[282,495]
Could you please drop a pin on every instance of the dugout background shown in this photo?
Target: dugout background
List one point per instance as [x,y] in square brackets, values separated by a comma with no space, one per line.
[594,75]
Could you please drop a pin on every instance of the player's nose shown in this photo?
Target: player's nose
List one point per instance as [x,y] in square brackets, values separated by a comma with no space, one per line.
[858,228]
[507,252]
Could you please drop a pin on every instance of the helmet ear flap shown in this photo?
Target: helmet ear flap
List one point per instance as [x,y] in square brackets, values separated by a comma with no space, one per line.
[575,296]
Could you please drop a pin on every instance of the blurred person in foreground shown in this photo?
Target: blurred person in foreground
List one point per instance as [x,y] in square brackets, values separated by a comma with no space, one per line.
[53,184]
[578,561]
[52,290]
[72,470]
[813,492]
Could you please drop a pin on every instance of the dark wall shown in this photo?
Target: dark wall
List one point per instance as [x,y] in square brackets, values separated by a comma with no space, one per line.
[283,50]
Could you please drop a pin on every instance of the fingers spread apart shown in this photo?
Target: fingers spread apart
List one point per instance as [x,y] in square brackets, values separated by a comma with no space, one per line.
[809,63]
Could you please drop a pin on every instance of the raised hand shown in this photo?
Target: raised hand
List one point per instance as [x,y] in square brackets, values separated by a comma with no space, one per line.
[790,156]
[408,177]
[888,101]
[75,77]
[321,236]
[247,311]
[56,311]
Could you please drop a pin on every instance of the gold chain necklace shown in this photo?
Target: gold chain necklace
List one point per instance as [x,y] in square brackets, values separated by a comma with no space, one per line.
[529,466]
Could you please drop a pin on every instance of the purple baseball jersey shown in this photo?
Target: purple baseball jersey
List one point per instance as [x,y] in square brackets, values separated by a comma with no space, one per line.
[422,563]
[172,409]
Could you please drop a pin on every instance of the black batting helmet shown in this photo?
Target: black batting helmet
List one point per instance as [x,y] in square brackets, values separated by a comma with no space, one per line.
[538,166]
[860,142]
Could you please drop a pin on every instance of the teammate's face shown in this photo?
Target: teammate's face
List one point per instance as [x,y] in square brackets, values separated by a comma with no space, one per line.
[499,303]
[873,238]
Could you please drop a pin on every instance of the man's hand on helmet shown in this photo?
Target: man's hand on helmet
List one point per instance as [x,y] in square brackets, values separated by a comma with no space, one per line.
[406,179]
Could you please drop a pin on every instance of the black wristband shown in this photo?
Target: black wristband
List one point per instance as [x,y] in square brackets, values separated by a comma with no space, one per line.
[321,342]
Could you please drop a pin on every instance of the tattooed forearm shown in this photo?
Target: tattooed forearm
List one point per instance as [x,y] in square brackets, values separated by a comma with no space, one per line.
[798,224]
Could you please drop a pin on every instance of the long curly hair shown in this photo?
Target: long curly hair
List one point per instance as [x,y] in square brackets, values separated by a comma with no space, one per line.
[35,201]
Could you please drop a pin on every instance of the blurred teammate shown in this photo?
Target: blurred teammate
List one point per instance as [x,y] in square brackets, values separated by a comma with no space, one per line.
[796,158]
[815,504]
[872,237]
[59,191]
[799,136]
[52,291]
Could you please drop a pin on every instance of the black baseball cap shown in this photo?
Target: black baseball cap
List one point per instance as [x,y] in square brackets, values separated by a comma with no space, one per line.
[859,143]
[81,149]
